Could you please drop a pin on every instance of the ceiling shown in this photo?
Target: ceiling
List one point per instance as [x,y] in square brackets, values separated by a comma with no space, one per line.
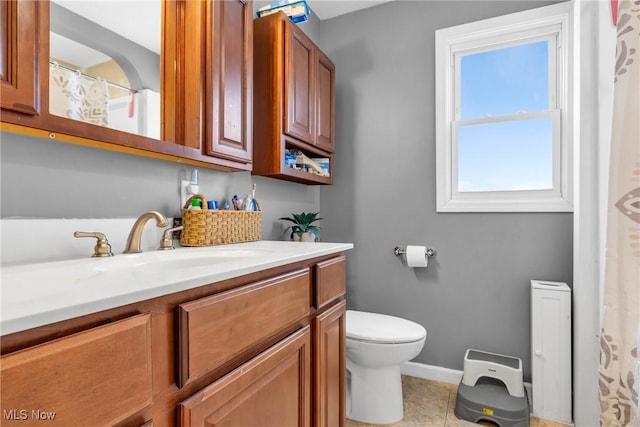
[326,9]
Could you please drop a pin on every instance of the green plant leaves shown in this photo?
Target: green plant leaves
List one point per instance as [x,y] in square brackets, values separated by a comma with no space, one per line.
[303,222]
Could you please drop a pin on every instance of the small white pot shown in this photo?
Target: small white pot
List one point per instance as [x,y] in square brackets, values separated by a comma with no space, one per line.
[306,237]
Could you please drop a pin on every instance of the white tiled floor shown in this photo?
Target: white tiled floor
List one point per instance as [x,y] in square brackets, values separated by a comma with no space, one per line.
[430,404]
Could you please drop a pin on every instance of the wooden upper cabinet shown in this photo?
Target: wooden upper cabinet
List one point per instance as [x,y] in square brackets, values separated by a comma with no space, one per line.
[299,84]
[294,101]
[325,103]
[309,91]
[210,87]
[228,80]
[19,49]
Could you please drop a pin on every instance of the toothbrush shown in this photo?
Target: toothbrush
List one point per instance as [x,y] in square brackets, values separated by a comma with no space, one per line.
[251,205]
[248,201]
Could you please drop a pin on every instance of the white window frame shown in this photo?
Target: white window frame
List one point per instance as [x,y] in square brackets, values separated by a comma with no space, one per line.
[553,23]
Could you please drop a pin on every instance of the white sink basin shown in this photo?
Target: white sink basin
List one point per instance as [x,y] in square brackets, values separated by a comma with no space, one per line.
[176,259]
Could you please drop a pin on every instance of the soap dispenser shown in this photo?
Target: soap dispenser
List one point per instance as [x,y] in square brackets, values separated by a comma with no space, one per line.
[189,187]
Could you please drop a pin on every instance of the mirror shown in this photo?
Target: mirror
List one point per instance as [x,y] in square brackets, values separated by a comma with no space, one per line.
[104,65]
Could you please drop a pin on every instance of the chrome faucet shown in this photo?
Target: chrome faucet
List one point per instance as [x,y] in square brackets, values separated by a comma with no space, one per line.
[133,241]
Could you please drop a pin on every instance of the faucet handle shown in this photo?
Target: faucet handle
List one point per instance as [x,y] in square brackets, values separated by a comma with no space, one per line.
[167,241]
[102,248]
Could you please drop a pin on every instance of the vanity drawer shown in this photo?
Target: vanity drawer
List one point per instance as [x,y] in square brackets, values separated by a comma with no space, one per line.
[96,377]
[331,280]
[215,329]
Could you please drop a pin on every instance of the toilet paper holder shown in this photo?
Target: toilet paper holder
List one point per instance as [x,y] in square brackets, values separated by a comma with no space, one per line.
[430,252]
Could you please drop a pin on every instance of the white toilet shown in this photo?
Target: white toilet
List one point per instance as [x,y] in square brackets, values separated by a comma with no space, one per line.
[377,345]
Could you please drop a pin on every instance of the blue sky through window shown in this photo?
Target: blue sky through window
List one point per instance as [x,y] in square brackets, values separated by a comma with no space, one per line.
[505,155]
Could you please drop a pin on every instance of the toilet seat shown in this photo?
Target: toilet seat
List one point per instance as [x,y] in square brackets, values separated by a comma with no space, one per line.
[382,328]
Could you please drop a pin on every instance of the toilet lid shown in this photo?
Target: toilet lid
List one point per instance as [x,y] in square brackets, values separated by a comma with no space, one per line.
[382,328]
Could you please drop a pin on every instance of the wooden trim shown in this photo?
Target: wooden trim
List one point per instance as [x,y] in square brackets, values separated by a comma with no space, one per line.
[168,78]
[88,142]
[191,74]
[268,104]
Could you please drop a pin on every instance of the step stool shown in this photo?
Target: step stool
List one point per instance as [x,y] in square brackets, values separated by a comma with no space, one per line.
[492,390]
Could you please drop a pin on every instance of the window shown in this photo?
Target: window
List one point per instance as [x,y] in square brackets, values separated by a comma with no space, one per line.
[503,140]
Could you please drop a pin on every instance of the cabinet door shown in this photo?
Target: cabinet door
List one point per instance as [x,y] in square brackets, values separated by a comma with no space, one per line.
[97,377]
[228,82]
[271,390]
[19,56]
[299,85]
[325,103]
[329,330]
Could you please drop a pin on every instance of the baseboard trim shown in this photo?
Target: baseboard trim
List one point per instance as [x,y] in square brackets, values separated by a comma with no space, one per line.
[432,373]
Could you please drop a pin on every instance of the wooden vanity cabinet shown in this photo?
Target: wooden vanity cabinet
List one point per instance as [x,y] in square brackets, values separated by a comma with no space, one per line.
[206,84]
[263,349]
[100,376]
[294,100]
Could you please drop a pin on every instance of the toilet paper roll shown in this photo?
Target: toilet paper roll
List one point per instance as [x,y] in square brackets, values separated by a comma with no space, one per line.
[417,256]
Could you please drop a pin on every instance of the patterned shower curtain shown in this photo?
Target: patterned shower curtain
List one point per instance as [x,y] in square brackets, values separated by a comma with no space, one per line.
[619,369]
[77,97]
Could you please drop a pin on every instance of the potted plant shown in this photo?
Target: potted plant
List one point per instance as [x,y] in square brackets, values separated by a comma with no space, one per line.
[303,229]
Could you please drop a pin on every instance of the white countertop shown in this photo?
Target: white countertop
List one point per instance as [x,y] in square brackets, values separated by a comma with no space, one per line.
[39,294]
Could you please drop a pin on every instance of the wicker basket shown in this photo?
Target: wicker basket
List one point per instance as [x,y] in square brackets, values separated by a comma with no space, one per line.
[217,227]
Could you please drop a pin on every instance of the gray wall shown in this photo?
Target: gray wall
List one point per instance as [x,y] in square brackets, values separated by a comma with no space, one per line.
[41,178]
[475,293]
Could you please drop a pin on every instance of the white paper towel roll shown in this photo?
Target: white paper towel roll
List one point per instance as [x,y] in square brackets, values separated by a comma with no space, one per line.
[417,256]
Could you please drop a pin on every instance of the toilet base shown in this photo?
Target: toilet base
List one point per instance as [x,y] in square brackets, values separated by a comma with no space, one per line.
[375,394]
